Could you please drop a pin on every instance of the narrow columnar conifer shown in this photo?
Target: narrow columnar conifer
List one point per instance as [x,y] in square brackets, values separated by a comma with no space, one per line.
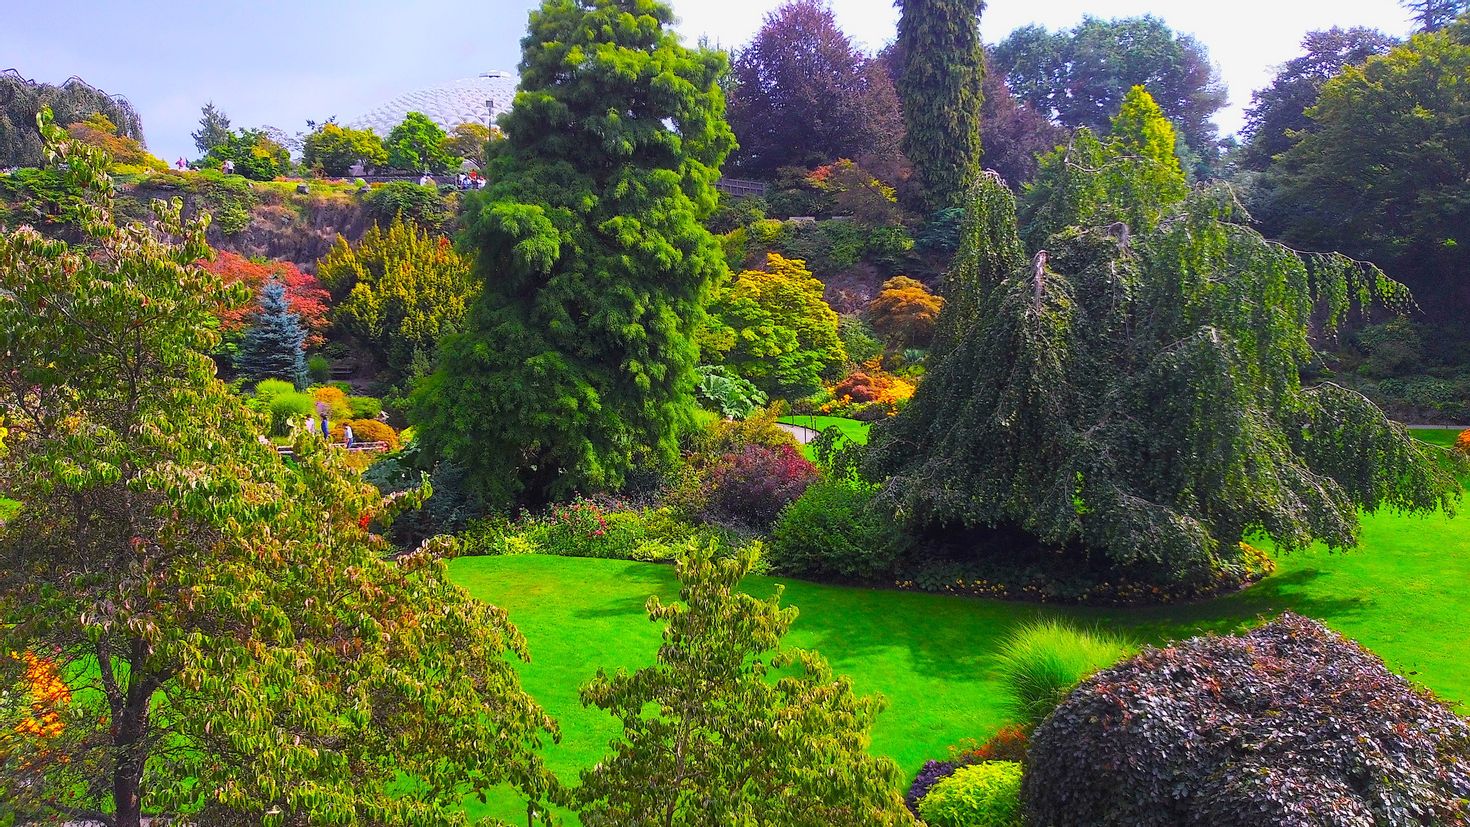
[940,84]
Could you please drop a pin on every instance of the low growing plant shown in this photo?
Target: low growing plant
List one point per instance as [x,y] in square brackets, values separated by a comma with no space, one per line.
[983,795]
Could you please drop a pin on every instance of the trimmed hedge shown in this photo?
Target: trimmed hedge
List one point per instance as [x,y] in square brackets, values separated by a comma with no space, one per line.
[1291,724]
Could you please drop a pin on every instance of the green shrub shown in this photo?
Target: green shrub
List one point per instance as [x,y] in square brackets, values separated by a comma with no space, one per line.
[268,389]
[985,795]
[364,407]
[288,406]
[420,204]
[1044,661]
[835,529]
[319,369]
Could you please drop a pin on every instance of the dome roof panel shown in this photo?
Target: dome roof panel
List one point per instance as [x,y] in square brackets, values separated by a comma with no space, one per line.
[478,99]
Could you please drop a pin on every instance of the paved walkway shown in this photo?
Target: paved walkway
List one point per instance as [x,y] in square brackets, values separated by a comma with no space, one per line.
[803,434]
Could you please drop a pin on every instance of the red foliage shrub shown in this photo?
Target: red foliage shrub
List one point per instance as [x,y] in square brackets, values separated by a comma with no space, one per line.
[1289,724]
[1009,743]
[858,385]
[305,296]
[751,486]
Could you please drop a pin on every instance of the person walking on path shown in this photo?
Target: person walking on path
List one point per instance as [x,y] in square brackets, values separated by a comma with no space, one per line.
[180,163]
[311,424]
[347,435]
[229,167]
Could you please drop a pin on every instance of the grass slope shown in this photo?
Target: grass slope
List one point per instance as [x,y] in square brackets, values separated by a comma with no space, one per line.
[850,428]
[934,657]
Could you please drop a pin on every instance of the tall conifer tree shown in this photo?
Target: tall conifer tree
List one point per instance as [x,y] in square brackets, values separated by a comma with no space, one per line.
[940,75]
[579,353]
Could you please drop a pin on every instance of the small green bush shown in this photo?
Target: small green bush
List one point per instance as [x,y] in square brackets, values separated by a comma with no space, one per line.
[1042,662]
[985,795]
[268,389]
[287,406]
[319,369]
[835,529]
[364,407]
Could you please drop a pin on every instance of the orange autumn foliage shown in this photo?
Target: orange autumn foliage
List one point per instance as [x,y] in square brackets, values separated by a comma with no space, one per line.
[1462,442]
[47,693]
[305,296]
[905,311]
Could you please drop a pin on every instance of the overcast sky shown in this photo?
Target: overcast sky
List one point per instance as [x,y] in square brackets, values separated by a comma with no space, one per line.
[280,62]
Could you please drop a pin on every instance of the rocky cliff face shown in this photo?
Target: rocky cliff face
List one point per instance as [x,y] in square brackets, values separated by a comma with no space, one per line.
[267,222]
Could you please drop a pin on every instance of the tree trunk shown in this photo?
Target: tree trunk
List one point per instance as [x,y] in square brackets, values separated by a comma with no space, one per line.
[127,773]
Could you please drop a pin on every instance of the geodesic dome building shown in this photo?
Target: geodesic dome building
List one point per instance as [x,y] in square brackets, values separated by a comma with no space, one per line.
[467,100]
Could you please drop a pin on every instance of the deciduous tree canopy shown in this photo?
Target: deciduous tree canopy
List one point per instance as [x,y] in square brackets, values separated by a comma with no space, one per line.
[742,731]
[239,647]
[1079,76]
[801,94]
[1384,174]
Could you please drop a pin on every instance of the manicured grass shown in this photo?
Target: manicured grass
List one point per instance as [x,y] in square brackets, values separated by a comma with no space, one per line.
[851,428]
[934,657]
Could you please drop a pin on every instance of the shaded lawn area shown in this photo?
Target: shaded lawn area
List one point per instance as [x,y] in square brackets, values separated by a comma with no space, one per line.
[1403,594]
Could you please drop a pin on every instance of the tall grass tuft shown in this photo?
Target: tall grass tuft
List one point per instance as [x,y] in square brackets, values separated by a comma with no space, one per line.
[1043,661]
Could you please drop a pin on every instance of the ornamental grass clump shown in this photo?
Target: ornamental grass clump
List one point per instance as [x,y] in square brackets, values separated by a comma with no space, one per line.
[1290,724]
[1043,661]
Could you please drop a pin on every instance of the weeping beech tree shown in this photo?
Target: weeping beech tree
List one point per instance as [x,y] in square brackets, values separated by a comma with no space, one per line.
[1132,391]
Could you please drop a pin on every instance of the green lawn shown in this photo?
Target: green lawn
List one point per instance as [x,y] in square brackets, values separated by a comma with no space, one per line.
[851,428]
[1403,594]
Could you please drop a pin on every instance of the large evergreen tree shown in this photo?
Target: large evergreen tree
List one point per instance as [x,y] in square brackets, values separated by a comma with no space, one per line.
[1131,390]
[728,727]
[940,83]
[224,640]
[1433,15]
[214,128]
[272,347]
[579,352]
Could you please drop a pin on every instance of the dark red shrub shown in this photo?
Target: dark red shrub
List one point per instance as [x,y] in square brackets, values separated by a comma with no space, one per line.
[1009,743]
[858,386]
[1291,724]
[752,485]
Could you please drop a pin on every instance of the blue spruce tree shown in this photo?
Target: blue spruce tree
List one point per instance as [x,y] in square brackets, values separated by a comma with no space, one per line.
[273,346]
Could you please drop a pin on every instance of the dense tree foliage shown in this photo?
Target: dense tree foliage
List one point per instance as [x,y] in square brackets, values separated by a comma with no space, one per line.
[940,83]
[1384,174]
[274,343]
[802,94]
[1434,15]
[418,145]
[469,141]
[904,312]
[729,727]
[305,296]
[214,128]
[1132,390]
[22,100]
[254,152]
[400,290]
[236,646]
[1278,113]
[336,149]
[102,133]
[1013,133]
[1079,76]
[595,267]
[772,327]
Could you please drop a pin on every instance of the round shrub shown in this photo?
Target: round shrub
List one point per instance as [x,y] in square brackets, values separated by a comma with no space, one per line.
[1291,724]
[288,406]
[367,430]
[1043,661]
[364,407]
[835,529]
[751,486]
[985,795]
[335,401]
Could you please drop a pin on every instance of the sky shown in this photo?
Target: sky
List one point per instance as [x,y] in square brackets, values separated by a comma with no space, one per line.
[282,62]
